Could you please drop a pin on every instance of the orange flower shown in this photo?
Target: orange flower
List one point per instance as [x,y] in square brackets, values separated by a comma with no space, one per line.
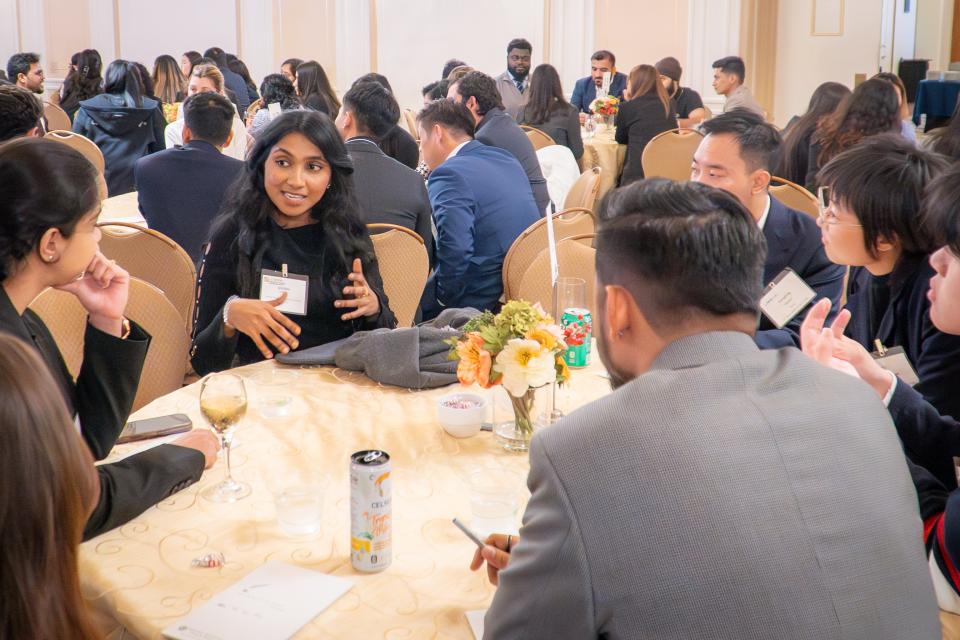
[563,371]
[475,361]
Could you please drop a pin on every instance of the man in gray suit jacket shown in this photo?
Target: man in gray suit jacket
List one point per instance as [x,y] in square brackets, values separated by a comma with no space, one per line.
[387,191]
[478,92]
[721,491]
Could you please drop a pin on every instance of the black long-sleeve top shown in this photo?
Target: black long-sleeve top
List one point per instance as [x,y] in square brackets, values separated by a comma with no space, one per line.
[101,398]
[306,251]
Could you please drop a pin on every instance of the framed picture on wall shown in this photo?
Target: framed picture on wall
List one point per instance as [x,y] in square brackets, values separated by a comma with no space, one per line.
[826,17]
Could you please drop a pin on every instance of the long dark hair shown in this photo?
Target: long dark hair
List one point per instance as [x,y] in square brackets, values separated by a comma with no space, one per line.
[545,96]
[46,496]
[796,143]
[312,81]
[239,67]
[194,57]
[336,213]
[947,139]
[46,184]
[84,81]
[872,108]
[123,79]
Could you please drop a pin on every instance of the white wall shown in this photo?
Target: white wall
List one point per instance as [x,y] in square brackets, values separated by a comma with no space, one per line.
[415,38]
[804,61]
[934,28]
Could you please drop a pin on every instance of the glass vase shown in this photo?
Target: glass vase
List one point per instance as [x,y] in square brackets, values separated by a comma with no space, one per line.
[515,435]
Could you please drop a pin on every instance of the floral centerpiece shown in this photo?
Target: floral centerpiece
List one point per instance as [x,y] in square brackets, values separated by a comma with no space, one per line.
[605,107]
[520,348]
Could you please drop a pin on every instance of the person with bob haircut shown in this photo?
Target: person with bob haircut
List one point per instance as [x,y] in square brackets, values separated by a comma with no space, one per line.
[930,439]
[292,210]
[871,221]
[49,238]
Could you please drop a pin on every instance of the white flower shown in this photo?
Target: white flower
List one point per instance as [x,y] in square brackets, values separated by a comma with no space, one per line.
[524,364]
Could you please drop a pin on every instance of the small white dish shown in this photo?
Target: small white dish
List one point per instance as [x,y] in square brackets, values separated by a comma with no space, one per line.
[462,414]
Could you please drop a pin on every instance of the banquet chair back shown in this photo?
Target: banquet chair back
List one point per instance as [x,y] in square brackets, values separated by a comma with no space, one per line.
[537,137]
[82,144]
[57,118]
[585,191]
[404,267]
[670,154]
[794,196]
[154,258]
[576,258]
[529,244]
[147,306]
[411,121]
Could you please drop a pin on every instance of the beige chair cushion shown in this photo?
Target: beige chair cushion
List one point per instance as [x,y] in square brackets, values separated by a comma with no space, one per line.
[404,267]
[537,137]
[576,258]
[154,258]
[165,365]
[584,192]
[82,144]
[534,240]
[670,154]
[794,196]
[57,118]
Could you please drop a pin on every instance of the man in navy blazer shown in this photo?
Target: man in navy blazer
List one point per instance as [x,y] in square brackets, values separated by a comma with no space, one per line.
[737,155]
[481,203]
[585,90]
[494,127]
[180,190]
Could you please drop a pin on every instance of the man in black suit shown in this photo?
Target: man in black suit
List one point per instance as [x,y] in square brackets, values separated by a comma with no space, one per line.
[738,155]
[478,92]
[180,190]
[387,191]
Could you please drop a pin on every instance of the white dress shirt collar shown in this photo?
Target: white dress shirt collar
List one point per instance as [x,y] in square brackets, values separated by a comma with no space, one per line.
[456,149]
[766,212]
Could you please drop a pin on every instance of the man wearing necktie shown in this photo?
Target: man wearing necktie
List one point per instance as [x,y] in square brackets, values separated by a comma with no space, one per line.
[513,82]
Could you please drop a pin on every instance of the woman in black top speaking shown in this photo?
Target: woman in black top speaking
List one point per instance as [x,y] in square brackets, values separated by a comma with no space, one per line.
[289,264]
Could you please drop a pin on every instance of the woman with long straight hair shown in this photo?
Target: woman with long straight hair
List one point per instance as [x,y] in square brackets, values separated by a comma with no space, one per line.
[796,142]
[645,112]
[48,490]
[83,82]
[188,61]
[239,67]
[548,110]
[123,123]
[872,109]
[315,90]
[170,85]
[293,211]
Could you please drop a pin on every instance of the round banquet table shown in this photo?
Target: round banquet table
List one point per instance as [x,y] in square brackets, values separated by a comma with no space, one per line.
[122,208]
[603,151]
[138,577]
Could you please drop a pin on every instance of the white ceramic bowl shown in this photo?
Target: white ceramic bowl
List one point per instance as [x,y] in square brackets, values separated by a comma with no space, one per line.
[462,414]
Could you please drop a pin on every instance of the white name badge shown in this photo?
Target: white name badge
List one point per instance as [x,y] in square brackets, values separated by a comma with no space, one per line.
[275,283]
[896,361]
[273,109]
[785,297]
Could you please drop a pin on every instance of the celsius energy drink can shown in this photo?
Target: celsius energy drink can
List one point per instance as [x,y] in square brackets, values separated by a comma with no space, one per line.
[577,327]
[370,512]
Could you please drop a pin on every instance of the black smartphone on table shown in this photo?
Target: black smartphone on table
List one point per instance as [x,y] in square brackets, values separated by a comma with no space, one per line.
[155,427]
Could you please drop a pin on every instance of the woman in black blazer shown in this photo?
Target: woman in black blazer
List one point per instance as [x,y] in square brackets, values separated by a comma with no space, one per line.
[645,112]
[293,212]
[48,238]
[873,224]
[548,111]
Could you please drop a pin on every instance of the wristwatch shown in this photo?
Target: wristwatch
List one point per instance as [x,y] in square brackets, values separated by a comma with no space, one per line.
[226,308]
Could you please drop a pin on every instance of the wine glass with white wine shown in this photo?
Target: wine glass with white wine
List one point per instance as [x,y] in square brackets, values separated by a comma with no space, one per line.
[223,402]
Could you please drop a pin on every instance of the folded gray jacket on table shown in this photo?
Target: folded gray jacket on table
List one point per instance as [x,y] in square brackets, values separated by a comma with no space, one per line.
[412,357]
